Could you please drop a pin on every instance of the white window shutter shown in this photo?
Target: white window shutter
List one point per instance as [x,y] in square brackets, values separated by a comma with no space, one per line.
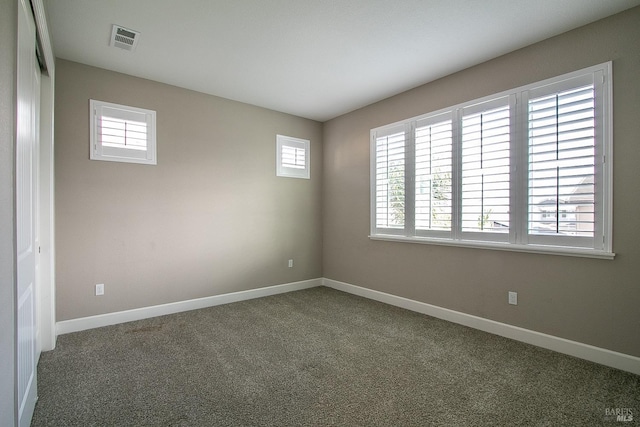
[528,169]
[433,173]
[122,134]
[390,180]
[485,168]
[562,165]
[292,157]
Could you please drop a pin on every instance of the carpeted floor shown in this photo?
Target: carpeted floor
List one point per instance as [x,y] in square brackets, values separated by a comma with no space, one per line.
[318,357]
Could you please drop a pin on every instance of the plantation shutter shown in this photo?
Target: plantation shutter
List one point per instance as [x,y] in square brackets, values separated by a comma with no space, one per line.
[121,133]
[485,168]
[122,129]
[562,162]
[389,171]
[292,157]
[433,169]
[529,169]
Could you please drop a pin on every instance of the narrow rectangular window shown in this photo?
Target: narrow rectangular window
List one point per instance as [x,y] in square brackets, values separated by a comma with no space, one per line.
[562,163]
[485,168]
[433,158]
[390,181]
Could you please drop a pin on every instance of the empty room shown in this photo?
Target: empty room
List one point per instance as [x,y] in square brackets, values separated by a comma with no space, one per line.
[320,212]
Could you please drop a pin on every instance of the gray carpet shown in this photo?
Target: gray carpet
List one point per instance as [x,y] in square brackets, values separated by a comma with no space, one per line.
[317,357]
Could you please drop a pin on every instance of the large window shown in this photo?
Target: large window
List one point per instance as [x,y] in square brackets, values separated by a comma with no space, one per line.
[528,170]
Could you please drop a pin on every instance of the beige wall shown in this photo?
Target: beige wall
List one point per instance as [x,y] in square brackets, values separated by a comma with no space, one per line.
[8,43]
[210,218]
[592,301]
[213,218]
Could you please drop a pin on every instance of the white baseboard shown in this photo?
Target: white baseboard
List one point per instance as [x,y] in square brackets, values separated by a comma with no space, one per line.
[81,324]
[599,355]
[603,356]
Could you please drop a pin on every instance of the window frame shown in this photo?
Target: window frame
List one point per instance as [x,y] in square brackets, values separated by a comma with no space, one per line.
[518,238]
[97,151]
[296,143]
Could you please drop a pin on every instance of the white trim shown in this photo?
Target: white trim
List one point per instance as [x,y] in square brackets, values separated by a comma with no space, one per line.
[84,323]
[608,156]
[46,217]
[498,246]
[46,213]
[588,352]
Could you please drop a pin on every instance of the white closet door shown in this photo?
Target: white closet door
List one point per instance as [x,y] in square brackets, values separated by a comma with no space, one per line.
[26,137]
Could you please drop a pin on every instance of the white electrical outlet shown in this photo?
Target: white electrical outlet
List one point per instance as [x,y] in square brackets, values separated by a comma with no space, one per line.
[290,263]
[513,298]
[100,289]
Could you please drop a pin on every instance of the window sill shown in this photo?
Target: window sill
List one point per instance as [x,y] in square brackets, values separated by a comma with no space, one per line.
[535,249]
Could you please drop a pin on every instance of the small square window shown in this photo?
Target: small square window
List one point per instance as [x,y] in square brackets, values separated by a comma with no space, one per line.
[122,134]
[292,157]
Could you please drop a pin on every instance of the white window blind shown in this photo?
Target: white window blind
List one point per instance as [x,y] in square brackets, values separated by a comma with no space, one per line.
[527,170]
[122,133]
[390,180]
[115,132]
[292,157]
[433,157]
[485,167]
[562,163]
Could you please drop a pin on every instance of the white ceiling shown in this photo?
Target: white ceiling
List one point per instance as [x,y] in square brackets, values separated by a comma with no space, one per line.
[311,58]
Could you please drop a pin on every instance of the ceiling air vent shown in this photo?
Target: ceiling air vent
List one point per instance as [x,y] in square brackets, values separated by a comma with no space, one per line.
[124,38]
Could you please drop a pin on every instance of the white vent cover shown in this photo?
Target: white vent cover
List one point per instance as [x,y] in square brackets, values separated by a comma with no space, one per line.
[124,38]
